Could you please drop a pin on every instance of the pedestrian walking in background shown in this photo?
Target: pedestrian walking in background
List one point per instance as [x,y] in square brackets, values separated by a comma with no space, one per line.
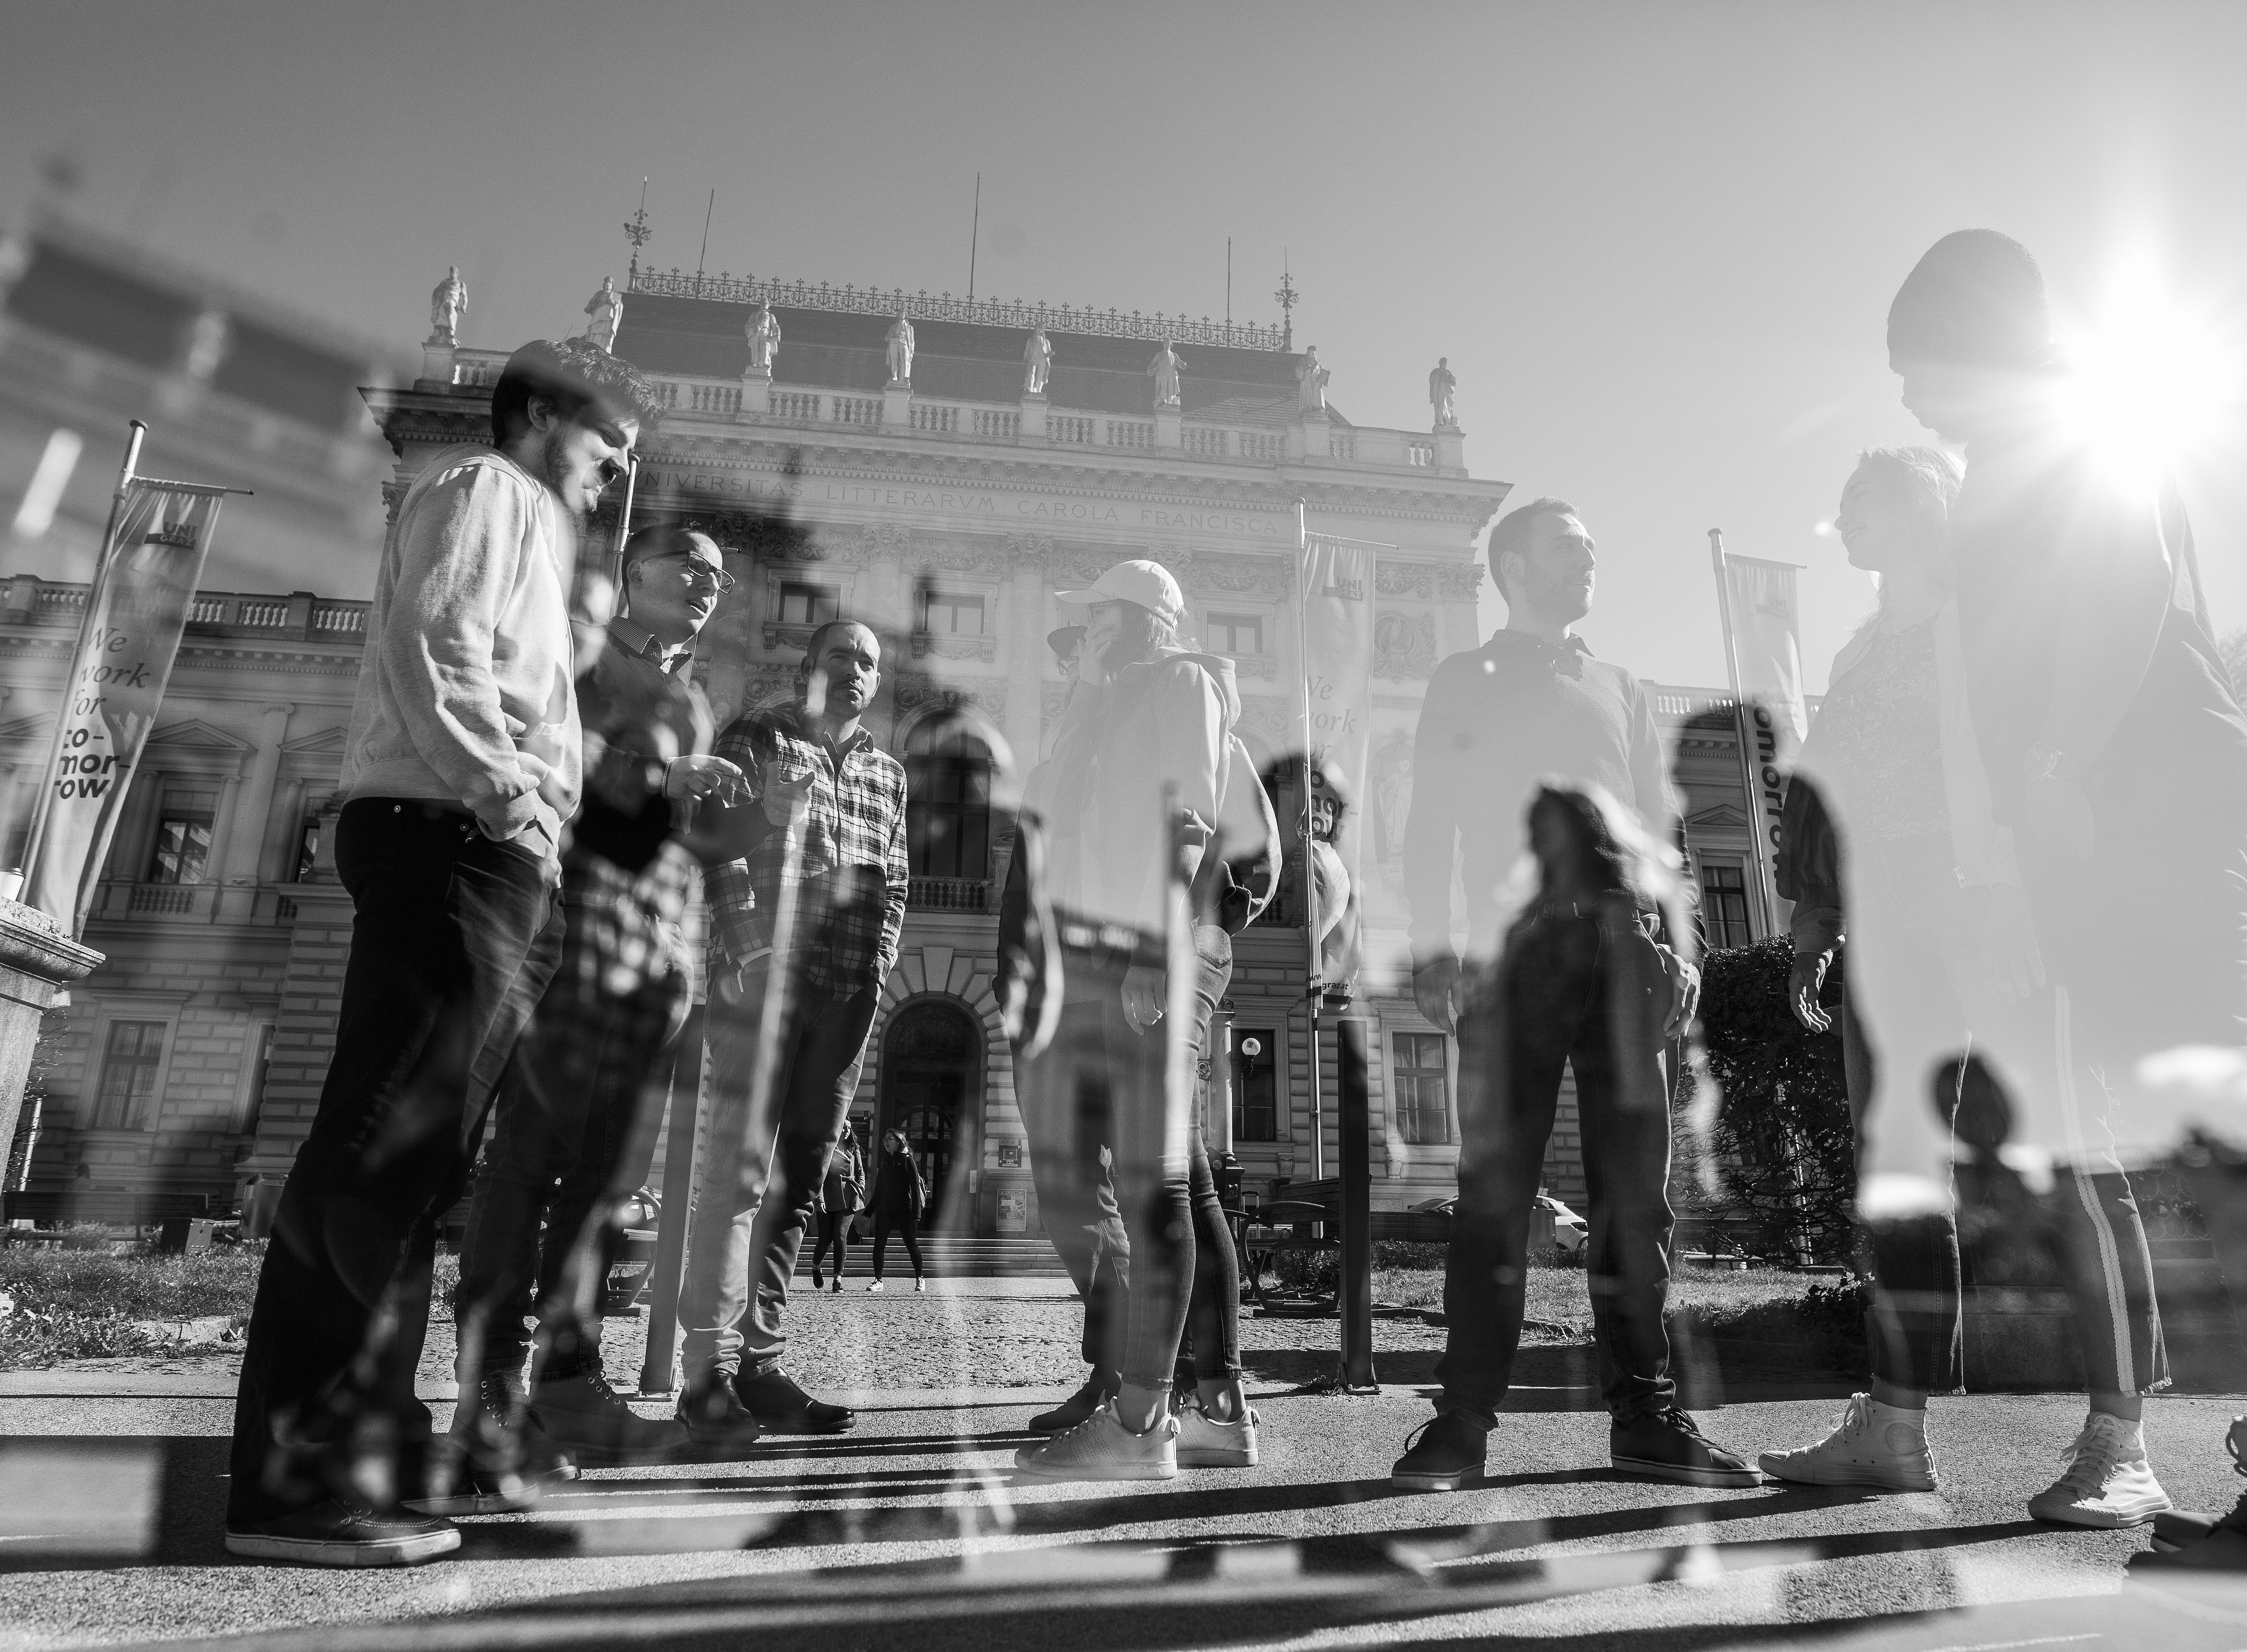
[828,821]
[1592,981]
[900,1198]
[460,765]
[583,1096]
[2096,686]
[841,1196]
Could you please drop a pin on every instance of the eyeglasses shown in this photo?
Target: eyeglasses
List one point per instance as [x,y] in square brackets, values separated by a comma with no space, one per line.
[699,572]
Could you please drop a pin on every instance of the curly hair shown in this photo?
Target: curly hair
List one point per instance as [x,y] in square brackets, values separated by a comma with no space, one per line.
[574,375]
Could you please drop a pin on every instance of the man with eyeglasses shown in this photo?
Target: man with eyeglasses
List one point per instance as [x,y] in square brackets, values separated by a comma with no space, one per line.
[579,1102]
[462,761]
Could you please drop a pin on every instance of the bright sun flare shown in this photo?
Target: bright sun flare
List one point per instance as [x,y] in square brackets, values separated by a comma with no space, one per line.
[2153,383]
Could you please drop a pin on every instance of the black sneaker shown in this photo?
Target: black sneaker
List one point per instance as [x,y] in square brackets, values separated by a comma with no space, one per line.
[2175,1529]
[1445,1453]
[781,1407]
[590,1421]
[1098,1389]
[340,1533]
[718,1426]
[495,1460]
[1668,1445]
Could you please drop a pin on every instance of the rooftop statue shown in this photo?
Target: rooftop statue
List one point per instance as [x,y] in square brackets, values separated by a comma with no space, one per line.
[447,305]
[1163,369]
[901,350]
[763,331]
[1037,362]
[1443,386]
[607,308]
[1311,381]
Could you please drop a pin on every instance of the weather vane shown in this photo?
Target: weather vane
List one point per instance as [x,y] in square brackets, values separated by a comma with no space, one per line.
[637,232]
[1286,297]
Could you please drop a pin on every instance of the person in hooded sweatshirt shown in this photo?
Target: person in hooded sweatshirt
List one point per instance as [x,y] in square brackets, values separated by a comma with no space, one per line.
[1148,729]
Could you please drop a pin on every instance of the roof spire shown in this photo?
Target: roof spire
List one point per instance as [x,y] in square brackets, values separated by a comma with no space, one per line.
[1288,298]
[637,232]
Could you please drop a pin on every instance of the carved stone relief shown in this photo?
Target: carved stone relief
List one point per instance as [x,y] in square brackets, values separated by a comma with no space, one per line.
[1404,643]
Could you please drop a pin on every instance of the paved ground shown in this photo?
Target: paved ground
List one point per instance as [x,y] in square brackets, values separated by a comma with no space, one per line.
[912,1532]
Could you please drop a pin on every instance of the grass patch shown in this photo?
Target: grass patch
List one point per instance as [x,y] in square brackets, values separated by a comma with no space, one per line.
[77,1303]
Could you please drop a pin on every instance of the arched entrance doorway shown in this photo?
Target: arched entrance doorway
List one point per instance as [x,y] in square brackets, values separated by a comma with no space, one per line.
[931,1089]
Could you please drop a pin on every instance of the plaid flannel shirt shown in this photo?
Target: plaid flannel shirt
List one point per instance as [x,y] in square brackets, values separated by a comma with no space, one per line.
[853,879]
[625,927]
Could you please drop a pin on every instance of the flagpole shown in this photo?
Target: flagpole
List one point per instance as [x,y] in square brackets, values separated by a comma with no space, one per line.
[1315,987]
[1765,901]
[43,800]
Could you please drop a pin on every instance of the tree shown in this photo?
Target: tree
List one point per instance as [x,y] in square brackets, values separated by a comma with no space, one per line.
[1781,1143]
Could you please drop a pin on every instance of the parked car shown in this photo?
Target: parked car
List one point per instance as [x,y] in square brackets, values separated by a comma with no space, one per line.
[1570,1233]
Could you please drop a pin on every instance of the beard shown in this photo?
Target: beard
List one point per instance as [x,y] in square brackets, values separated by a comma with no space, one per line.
[553,470]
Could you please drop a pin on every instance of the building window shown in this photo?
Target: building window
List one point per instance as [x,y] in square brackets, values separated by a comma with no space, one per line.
[802,604]
[1255,1087]
[1723,907]
[1237,634]
[308,849]
[1424,1089]
[126,1097]
[948,614]
[183,838]
[948,802]
[253,1095]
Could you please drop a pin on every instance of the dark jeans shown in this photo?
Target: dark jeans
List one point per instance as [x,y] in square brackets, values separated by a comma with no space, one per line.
[446,921]
[764,1174]
[578,1105]
[1071,1095]
[906,1225]
[1589,992]
[834,1234]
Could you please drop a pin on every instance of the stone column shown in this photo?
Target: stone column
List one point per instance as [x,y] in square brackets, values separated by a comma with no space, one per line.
[1026,672]
[245,844]
[38,962]
[277,858]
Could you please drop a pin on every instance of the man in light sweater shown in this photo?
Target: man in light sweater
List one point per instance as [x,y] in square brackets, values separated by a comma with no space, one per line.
[461,768]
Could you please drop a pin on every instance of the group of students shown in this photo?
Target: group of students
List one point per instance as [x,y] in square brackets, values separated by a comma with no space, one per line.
[525,815]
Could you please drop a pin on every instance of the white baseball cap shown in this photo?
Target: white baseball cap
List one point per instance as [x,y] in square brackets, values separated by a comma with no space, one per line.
[1148,583]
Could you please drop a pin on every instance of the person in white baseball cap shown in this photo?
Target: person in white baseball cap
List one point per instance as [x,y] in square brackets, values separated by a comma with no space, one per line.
[1146,1241]
[1147,584]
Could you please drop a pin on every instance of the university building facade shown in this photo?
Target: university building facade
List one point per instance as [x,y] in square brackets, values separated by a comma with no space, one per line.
[945,511]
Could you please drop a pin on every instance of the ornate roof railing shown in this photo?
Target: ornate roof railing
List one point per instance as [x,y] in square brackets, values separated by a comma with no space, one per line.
[989,312]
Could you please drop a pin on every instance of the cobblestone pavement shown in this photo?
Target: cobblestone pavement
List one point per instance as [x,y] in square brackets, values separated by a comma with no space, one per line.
[913,1531]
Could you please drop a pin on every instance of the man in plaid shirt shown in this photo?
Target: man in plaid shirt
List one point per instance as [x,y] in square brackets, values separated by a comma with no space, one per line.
[817,782]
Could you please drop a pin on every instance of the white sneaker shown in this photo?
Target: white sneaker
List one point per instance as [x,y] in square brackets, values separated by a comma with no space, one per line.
[1204,1442]
[1101,1448]
[875,1286]
[2107,1481]
[920,1287]
[1871,1444]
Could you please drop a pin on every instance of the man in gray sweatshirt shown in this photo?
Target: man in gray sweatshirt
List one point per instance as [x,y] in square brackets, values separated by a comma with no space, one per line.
[461,768]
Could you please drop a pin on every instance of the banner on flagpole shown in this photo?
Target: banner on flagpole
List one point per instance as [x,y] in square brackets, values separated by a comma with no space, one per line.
[134,616]
[1763,629]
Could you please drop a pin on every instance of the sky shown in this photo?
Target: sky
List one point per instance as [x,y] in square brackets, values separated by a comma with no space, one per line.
[1657,241]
